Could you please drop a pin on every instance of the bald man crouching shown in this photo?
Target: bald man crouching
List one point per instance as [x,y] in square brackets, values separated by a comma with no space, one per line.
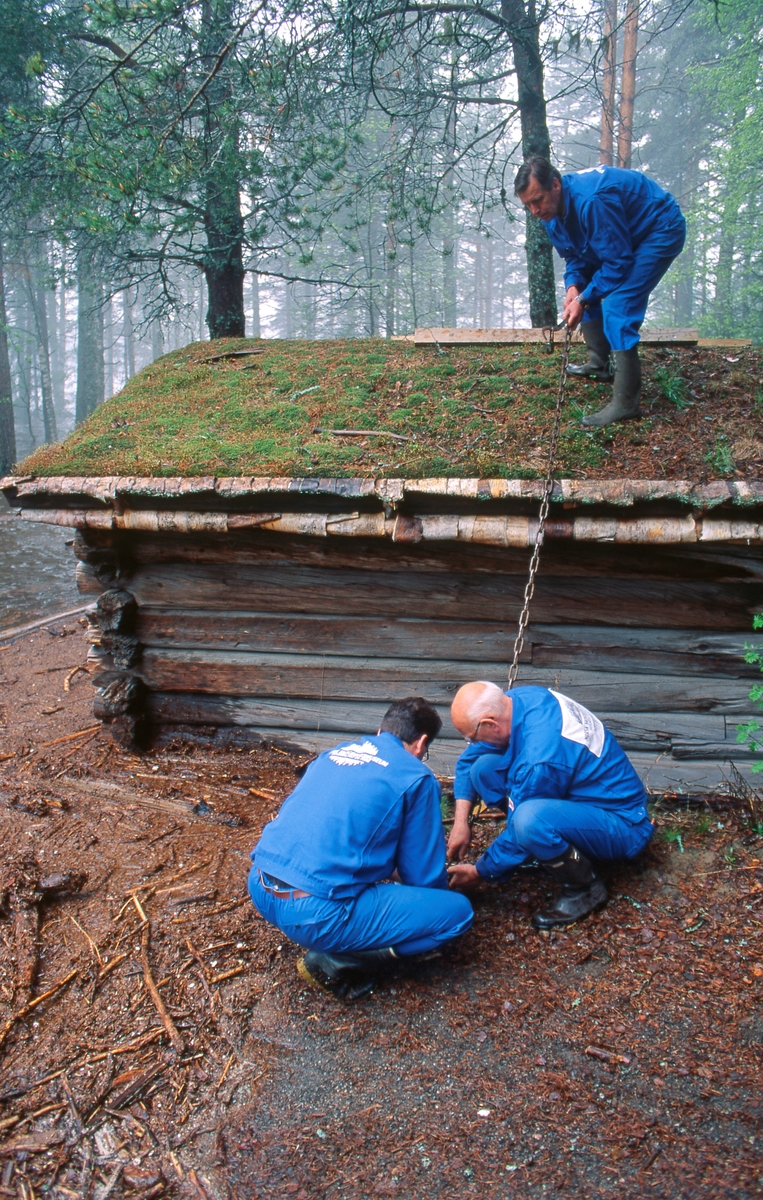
[568,789]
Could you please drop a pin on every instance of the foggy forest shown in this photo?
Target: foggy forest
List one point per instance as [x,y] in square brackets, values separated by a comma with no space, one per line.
[175,171]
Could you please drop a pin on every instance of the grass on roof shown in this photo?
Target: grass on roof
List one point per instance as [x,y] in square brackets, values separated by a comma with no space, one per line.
[465,411]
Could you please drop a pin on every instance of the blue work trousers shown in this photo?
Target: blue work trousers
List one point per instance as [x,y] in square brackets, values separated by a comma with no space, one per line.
[412,920]
[624,309]
[544,828]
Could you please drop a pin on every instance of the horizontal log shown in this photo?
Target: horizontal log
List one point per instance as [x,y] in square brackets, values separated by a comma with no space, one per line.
[336,677]
[506,531]
[725,563]
[647,651]
[665,604]
[684,735]
[659,773]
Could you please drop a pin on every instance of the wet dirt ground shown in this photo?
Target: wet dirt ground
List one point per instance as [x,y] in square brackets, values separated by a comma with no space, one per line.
[619,1059]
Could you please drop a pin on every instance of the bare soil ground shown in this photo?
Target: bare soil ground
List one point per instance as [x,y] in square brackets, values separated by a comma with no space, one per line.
[621,1058]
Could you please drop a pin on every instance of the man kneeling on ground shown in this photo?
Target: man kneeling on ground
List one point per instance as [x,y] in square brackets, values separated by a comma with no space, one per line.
[362,812]
[568,789]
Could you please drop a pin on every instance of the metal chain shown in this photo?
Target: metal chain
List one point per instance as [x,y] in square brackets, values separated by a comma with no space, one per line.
[548,488]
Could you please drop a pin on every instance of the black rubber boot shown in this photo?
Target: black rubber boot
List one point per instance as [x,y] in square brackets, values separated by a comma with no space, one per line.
[598,365]
[626,393]
[348,976]
[582,891]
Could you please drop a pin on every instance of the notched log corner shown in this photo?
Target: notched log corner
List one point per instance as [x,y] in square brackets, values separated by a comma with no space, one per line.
[116,614]
[120,704]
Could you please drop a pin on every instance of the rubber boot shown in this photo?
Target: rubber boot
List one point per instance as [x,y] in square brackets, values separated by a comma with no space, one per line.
[598,365]
[582,891]
[626,393]
[338,973]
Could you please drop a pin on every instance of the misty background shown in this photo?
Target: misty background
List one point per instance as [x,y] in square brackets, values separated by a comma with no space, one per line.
[343,171]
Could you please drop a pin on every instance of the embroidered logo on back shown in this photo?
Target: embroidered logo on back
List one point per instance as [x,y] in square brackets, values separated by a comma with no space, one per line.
[580,725]
[357,755]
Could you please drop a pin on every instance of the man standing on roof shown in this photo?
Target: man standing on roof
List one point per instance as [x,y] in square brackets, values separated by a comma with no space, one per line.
[569,791]
[362,813]
[618,232]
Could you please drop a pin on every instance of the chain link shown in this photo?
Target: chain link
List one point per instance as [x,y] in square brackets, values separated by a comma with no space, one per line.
[548,488]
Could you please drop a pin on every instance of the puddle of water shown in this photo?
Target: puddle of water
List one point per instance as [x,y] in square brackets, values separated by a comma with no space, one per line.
[36,571]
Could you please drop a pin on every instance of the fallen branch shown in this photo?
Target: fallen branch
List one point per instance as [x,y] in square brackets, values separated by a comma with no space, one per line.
[399,437]
[5,757]
[32,1005]
[606,1055]
[232,354]
[166,1019]
[74,671]
[68,737]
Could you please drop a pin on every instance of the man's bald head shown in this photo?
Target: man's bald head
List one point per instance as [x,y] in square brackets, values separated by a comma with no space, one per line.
[482,712]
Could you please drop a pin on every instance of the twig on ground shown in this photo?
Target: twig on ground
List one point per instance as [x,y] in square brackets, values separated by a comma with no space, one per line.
[153,991]
[74,671]
[32,1005]
[399,437]
[69,737]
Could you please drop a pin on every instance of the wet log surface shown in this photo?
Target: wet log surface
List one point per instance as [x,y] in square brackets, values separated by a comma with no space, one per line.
[622,1057]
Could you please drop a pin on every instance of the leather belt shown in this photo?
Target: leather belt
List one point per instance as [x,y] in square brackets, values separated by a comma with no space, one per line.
[281,890]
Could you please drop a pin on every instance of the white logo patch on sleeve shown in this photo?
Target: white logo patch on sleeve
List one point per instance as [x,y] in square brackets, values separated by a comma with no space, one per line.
[580,725]
[357,755]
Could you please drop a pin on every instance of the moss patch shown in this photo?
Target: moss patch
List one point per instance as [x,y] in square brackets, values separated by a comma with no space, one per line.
[467,411]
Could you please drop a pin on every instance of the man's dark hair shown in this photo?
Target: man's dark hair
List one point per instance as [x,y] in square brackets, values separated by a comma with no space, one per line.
[535,167]
[411,717]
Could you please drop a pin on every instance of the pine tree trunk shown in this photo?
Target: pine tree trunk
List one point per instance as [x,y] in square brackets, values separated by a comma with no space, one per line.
[724,274]
[89,343]
[390,267]
[256,330]
[128,334]
[40,315]
[7,425]
[608,81]
[628,86]
[223,257]
[523,33]
[449,296]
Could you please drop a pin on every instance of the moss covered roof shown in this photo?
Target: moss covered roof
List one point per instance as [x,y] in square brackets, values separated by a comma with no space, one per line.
[464,412]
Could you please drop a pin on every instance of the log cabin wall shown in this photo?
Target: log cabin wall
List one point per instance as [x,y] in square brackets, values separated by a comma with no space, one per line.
[211,617]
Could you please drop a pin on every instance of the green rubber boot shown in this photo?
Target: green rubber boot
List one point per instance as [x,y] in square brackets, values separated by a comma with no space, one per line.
[626,393]
[598,365]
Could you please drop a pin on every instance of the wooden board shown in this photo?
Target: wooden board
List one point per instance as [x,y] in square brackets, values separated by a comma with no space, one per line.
[514,337]
[335,677]
[659,604]
[684,735]
[647,651]
[693,562]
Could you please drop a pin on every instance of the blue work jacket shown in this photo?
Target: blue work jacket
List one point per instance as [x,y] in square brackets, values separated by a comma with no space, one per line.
[608,213]
[558,750]
[359,812]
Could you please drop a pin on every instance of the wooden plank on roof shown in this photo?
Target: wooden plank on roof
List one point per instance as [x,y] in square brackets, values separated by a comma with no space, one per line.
[723,343]
[431,336]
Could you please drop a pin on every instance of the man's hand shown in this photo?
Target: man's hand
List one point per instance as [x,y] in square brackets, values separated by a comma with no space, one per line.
[459,841]
[463,875]
[461,834]
[573,309]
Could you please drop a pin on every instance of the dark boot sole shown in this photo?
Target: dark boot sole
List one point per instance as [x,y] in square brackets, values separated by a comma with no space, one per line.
[340,989]
[564,923]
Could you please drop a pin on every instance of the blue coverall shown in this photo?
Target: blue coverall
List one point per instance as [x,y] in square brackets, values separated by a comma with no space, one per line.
[619,234]
[566,780]
[360,812]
